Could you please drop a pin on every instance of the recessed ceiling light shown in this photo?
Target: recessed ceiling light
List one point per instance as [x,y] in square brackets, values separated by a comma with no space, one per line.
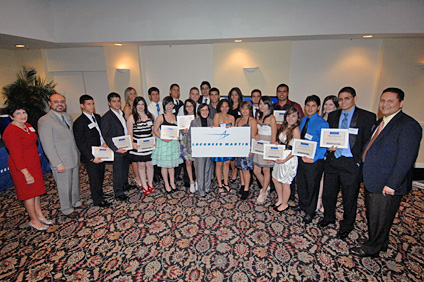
[238,41]
[118,44]
[20,46]
[367,36]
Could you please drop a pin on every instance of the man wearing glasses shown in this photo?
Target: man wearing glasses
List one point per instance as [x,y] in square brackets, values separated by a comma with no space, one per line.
[342,166]
[205,87]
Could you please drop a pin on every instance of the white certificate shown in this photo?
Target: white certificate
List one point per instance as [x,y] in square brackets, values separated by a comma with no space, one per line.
[183,122]
[304,148]
[146,144]
[169,132]
[273,152]
[123,142]
[258,146]
[334,137]
[103,153]
[279,115]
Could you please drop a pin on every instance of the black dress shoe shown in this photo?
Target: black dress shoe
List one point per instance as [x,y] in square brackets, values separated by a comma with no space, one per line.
[357,251]
[324,223]
[342,234]
[296,208]
[307,219]
[103,204]
[130,187]
[244,194]
[122,198]
[241,189]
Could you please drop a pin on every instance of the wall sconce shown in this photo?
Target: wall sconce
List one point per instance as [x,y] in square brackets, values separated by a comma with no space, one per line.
[123,70]
[421,66]
[252,69]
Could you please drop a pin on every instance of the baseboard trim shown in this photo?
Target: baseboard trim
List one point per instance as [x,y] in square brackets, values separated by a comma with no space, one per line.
[419,165]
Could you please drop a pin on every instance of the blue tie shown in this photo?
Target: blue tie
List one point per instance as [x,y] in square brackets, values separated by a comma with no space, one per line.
[157,107]
[345,120]
[206,100]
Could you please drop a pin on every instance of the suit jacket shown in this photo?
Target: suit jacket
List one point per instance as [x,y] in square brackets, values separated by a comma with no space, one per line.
[362,120]
[390,159]
[202,99]
[86,137]
[58,140]
[196,123]
[178,106]
[111,127]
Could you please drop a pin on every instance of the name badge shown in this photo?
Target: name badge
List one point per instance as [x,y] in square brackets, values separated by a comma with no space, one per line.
[353,131]
[31,129]
[91,125]
[308,136]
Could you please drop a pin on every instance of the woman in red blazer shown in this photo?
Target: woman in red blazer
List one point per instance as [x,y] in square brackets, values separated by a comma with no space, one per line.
[25,166]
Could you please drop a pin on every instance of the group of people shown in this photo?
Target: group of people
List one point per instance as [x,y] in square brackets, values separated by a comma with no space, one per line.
[382,151]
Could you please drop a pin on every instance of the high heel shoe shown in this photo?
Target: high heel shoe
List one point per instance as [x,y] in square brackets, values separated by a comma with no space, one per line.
[42,228]
[151,189]
[280,211]
[174,189]
[146,191]
[45,221]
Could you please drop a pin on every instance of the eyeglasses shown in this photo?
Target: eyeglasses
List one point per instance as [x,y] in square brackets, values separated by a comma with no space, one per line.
[345,98]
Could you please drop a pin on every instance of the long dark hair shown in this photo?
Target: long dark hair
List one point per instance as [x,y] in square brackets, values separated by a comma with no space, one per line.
[332,98]
[146,111]
[267,101]
[218,107]
[286,125]
[240,97]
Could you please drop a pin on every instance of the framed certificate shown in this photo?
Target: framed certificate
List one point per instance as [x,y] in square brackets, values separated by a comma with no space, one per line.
[279,115]
[304,148]
[146,144]
[169,132]
[183,122]
[258,146]
[103,153]
[123,142]
[334,137]
[273,152]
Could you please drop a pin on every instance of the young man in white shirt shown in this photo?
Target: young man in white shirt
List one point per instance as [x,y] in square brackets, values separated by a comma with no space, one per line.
[155,107]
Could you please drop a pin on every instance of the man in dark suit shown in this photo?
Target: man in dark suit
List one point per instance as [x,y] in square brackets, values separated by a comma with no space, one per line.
[342,166]
[87,134]
[174,92]
[113,124]
[389,159]
[205,87]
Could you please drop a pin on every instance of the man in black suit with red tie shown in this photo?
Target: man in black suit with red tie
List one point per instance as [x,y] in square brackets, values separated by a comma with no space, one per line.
[389,159]
[87,134]
[342,166]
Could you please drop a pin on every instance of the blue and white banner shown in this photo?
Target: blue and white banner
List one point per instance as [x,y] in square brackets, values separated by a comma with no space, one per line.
[220,142]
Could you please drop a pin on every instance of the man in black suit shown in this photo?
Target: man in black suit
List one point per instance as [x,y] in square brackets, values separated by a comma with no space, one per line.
[174,92]
[205,87]
[342,166]
[389,159]
[113,124]
[87,134]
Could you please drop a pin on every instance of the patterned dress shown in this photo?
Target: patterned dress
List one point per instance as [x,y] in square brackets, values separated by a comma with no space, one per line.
[166,154]
[142,129]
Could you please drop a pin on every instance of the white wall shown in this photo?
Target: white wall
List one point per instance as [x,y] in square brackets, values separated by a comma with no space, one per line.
[186,65]
[323,67]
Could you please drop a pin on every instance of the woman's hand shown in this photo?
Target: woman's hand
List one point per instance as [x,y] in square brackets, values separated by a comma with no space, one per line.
[29,179]
[136,146]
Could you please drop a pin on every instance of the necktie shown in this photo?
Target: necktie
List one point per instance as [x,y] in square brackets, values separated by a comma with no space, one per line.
[377,132]
[157,107]
[304,129]
[256,113]
[338,153]
[206,100]
[63,119]
[94,119]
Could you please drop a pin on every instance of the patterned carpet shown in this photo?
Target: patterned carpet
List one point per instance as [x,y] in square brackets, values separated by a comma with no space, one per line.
[181,237]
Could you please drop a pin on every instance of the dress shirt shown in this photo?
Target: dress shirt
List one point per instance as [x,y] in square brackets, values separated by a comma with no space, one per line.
[387,119]
[346,152]
[288,105]
[62,118]
[316,123]
[121,118]
[154,110]
[93,119]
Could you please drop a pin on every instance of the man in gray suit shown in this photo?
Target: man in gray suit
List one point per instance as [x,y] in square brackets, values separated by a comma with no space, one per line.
[57,139]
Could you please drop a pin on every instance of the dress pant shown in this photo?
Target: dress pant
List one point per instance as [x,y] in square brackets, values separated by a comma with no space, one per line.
[204,168]
[308,181]
[68,187]
[121,168]
[381,211]
[345,172]
[96,174]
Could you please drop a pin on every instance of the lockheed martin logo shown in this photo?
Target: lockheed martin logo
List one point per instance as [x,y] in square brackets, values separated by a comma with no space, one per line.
[223,135]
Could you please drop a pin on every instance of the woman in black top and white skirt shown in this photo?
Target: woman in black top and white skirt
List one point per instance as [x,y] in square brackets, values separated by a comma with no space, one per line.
[140,125]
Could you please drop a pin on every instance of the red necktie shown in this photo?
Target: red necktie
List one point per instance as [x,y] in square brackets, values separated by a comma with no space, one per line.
[377,132]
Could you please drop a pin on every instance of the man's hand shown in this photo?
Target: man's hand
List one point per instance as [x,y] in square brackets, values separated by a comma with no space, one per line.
[307,160]
[97,160]
[333,148]
[61,168]
[388,191]
[121,151]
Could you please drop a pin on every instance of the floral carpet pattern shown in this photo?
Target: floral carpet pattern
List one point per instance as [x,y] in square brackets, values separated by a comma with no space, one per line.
[182,237]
